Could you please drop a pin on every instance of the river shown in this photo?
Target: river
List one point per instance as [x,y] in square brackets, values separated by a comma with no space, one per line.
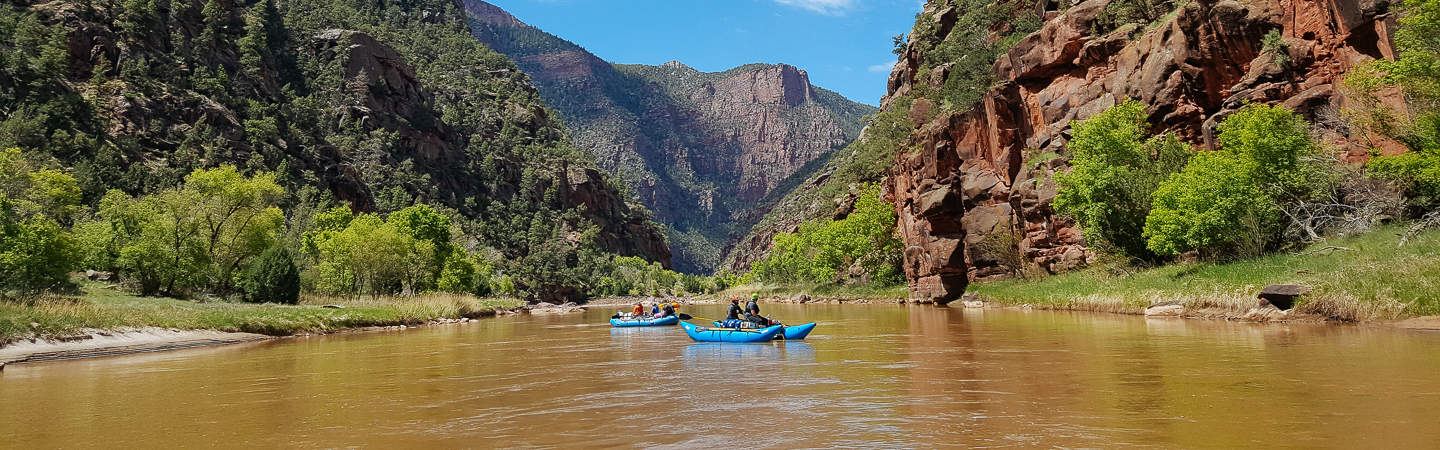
[868,376]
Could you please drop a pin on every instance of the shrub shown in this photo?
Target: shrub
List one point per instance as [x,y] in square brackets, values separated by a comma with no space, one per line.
[1227,202]
[1113,176]
[820,251]
[36,253]
[1213,204]
[459,275]
[1274,44]
[272,278]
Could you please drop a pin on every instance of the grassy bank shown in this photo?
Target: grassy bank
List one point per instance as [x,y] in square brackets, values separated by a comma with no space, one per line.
[104,308]
[865,292]
[1356,278]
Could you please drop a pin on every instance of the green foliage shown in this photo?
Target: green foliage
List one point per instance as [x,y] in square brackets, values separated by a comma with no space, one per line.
[1274,44]
[1417,69]
[821,252]
[970,48]
[458,275]
[372,256]
[1227,202]
[1119,13]
[1276,139]
[1214,204]
[198,236]
[1114,174]
[1418,170]
[36,253]
[272,278]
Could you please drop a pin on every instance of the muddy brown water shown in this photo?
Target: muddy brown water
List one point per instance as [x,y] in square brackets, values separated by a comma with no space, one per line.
[869,376]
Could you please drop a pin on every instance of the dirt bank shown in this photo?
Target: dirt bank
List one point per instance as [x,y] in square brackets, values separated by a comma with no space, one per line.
[101,343]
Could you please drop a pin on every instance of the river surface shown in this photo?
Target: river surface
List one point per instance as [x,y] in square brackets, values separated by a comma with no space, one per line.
[886,376]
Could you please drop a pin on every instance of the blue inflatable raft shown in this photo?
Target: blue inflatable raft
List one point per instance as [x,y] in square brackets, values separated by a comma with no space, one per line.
[645,322]
[789,333]
[703,334]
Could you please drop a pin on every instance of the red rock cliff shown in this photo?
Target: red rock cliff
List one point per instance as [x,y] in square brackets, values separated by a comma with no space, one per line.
[971,202]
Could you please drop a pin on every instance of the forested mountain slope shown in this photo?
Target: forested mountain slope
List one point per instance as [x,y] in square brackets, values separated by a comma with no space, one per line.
[379,105]
[702,150]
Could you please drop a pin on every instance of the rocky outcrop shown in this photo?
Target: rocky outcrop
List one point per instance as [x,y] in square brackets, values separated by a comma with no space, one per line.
[972,197]
[621,230]
[699,149]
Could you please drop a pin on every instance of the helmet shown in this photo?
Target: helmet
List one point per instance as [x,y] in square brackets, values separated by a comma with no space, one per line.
[755,296]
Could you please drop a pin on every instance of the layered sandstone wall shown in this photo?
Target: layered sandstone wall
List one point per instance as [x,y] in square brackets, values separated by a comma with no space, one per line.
[974,200]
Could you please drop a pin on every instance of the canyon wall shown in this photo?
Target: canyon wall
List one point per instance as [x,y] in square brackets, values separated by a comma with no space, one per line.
[972,188]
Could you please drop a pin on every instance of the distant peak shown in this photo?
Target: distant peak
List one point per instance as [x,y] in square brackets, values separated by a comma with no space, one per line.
[491,14]
[676,64]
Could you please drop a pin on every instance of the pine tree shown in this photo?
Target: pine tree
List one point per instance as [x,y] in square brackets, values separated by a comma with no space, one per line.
[255,48]
[215,32]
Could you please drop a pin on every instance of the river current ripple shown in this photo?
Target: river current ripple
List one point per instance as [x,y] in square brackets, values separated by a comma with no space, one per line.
[869,376]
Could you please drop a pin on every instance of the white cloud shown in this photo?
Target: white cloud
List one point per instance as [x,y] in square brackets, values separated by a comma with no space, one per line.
[826,7]
[881,67]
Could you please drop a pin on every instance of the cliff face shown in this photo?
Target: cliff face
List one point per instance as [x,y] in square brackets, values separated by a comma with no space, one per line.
[973,191]
[701,150]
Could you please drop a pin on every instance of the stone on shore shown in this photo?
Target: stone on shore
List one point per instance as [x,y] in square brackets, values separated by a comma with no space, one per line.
[1282,296]
[1165,311]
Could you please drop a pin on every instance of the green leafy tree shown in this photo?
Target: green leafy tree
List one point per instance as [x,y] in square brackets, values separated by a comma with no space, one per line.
[1214,204]
[1227,202]
[272,278]
[36,253]
[1113,175]
[458,275]
[1277,140]
[819,252]
[238,216]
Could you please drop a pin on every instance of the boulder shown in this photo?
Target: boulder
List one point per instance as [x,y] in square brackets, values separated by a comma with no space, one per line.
[1281,296]
[1165,311]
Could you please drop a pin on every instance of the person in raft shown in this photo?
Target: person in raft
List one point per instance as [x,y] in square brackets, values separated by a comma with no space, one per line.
[638,311]
[752,313]
[668,310]
[734,312]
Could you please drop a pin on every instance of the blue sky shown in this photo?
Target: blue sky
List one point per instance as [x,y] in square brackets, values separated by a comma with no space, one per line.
[843,44]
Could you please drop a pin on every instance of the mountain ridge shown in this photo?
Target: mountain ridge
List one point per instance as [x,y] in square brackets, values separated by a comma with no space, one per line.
[699,149]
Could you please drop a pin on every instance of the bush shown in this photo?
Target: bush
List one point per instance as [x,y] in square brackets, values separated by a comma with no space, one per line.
[821,251]
[272,278]
[1113,176]
[36,253]
[458,276]
[1227,202]
[1213,204]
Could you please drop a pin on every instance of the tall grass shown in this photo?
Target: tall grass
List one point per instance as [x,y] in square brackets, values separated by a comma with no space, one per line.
[864,291]
[1361,277]
[104,308]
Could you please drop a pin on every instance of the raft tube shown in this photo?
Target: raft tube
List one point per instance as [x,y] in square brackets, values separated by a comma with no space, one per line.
[645,322]
[702,334]
[789,333]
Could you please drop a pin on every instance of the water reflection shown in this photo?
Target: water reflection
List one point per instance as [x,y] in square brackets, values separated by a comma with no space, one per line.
[868,376]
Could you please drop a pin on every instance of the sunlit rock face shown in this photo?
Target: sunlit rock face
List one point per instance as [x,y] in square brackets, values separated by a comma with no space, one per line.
[972,196]
[701,150]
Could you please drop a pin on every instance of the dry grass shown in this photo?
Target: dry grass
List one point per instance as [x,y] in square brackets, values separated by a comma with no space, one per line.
[816,290]
[1371,279]
[105,308]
